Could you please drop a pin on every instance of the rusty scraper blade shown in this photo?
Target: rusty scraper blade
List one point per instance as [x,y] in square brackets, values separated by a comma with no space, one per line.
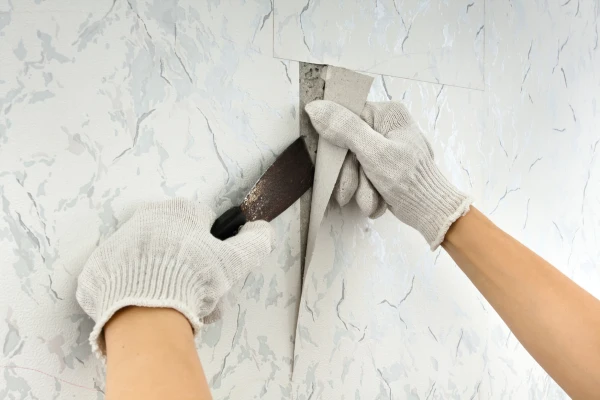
[286,180]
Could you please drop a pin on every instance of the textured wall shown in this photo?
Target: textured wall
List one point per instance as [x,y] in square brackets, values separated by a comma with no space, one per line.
[381,316]
[435,40]
[105,104]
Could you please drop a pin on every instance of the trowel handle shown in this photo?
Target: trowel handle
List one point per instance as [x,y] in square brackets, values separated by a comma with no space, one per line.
[228,224]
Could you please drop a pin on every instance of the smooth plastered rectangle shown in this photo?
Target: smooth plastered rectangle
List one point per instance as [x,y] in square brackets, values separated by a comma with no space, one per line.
[433,41]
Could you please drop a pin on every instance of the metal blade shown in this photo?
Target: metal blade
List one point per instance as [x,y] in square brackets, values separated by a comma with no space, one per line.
[281,185]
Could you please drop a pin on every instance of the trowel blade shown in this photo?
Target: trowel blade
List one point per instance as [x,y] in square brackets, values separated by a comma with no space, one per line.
[281,185]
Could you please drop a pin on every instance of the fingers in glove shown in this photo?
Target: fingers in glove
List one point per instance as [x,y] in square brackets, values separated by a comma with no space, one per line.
[248,249]
[368,199]
[347,181]
[385,117]
[343,128]
[381,209]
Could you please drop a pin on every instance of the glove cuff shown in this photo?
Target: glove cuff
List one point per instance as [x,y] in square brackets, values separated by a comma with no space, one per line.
[436,204]
[147,282]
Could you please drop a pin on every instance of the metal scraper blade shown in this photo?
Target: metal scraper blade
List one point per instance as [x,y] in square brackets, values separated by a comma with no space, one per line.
[281,185]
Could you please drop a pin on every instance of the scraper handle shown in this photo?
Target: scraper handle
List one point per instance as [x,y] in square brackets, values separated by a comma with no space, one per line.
[228,224]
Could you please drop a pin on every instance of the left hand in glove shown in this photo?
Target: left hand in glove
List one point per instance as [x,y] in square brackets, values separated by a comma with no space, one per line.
[165,256]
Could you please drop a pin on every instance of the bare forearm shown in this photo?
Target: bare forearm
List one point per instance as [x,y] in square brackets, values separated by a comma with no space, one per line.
[151,355]
[556,320]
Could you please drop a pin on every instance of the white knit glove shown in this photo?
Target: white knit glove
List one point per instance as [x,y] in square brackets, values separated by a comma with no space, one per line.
[399,163]
[165,256]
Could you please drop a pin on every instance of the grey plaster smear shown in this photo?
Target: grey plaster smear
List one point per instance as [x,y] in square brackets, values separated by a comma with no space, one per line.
[312,86]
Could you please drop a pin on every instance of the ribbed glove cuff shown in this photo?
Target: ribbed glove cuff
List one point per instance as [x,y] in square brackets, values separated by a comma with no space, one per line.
[434,204]
[157,283]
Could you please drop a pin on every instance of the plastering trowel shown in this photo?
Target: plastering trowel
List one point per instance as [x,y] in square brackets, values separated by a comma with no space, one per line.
[284,182]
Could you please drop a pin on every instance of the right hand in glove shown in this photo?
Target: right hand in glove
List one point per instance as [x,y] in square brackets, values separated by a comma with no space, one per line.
[394,167]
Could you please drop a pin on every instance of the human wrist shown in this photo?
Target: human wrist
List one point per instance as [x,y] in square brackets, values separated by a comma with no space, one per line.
[129,323]
[460,233]
[152,345]
[154,283]
[133,321]
[433,203]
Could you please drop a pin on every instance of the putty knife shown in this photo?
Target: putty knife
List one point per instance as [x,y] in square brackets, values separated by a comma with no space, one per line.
[284,182]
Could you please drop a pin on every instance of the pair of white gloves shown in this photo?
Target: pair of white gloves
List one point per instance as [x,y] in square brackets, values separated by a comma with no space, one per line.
[165,256]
